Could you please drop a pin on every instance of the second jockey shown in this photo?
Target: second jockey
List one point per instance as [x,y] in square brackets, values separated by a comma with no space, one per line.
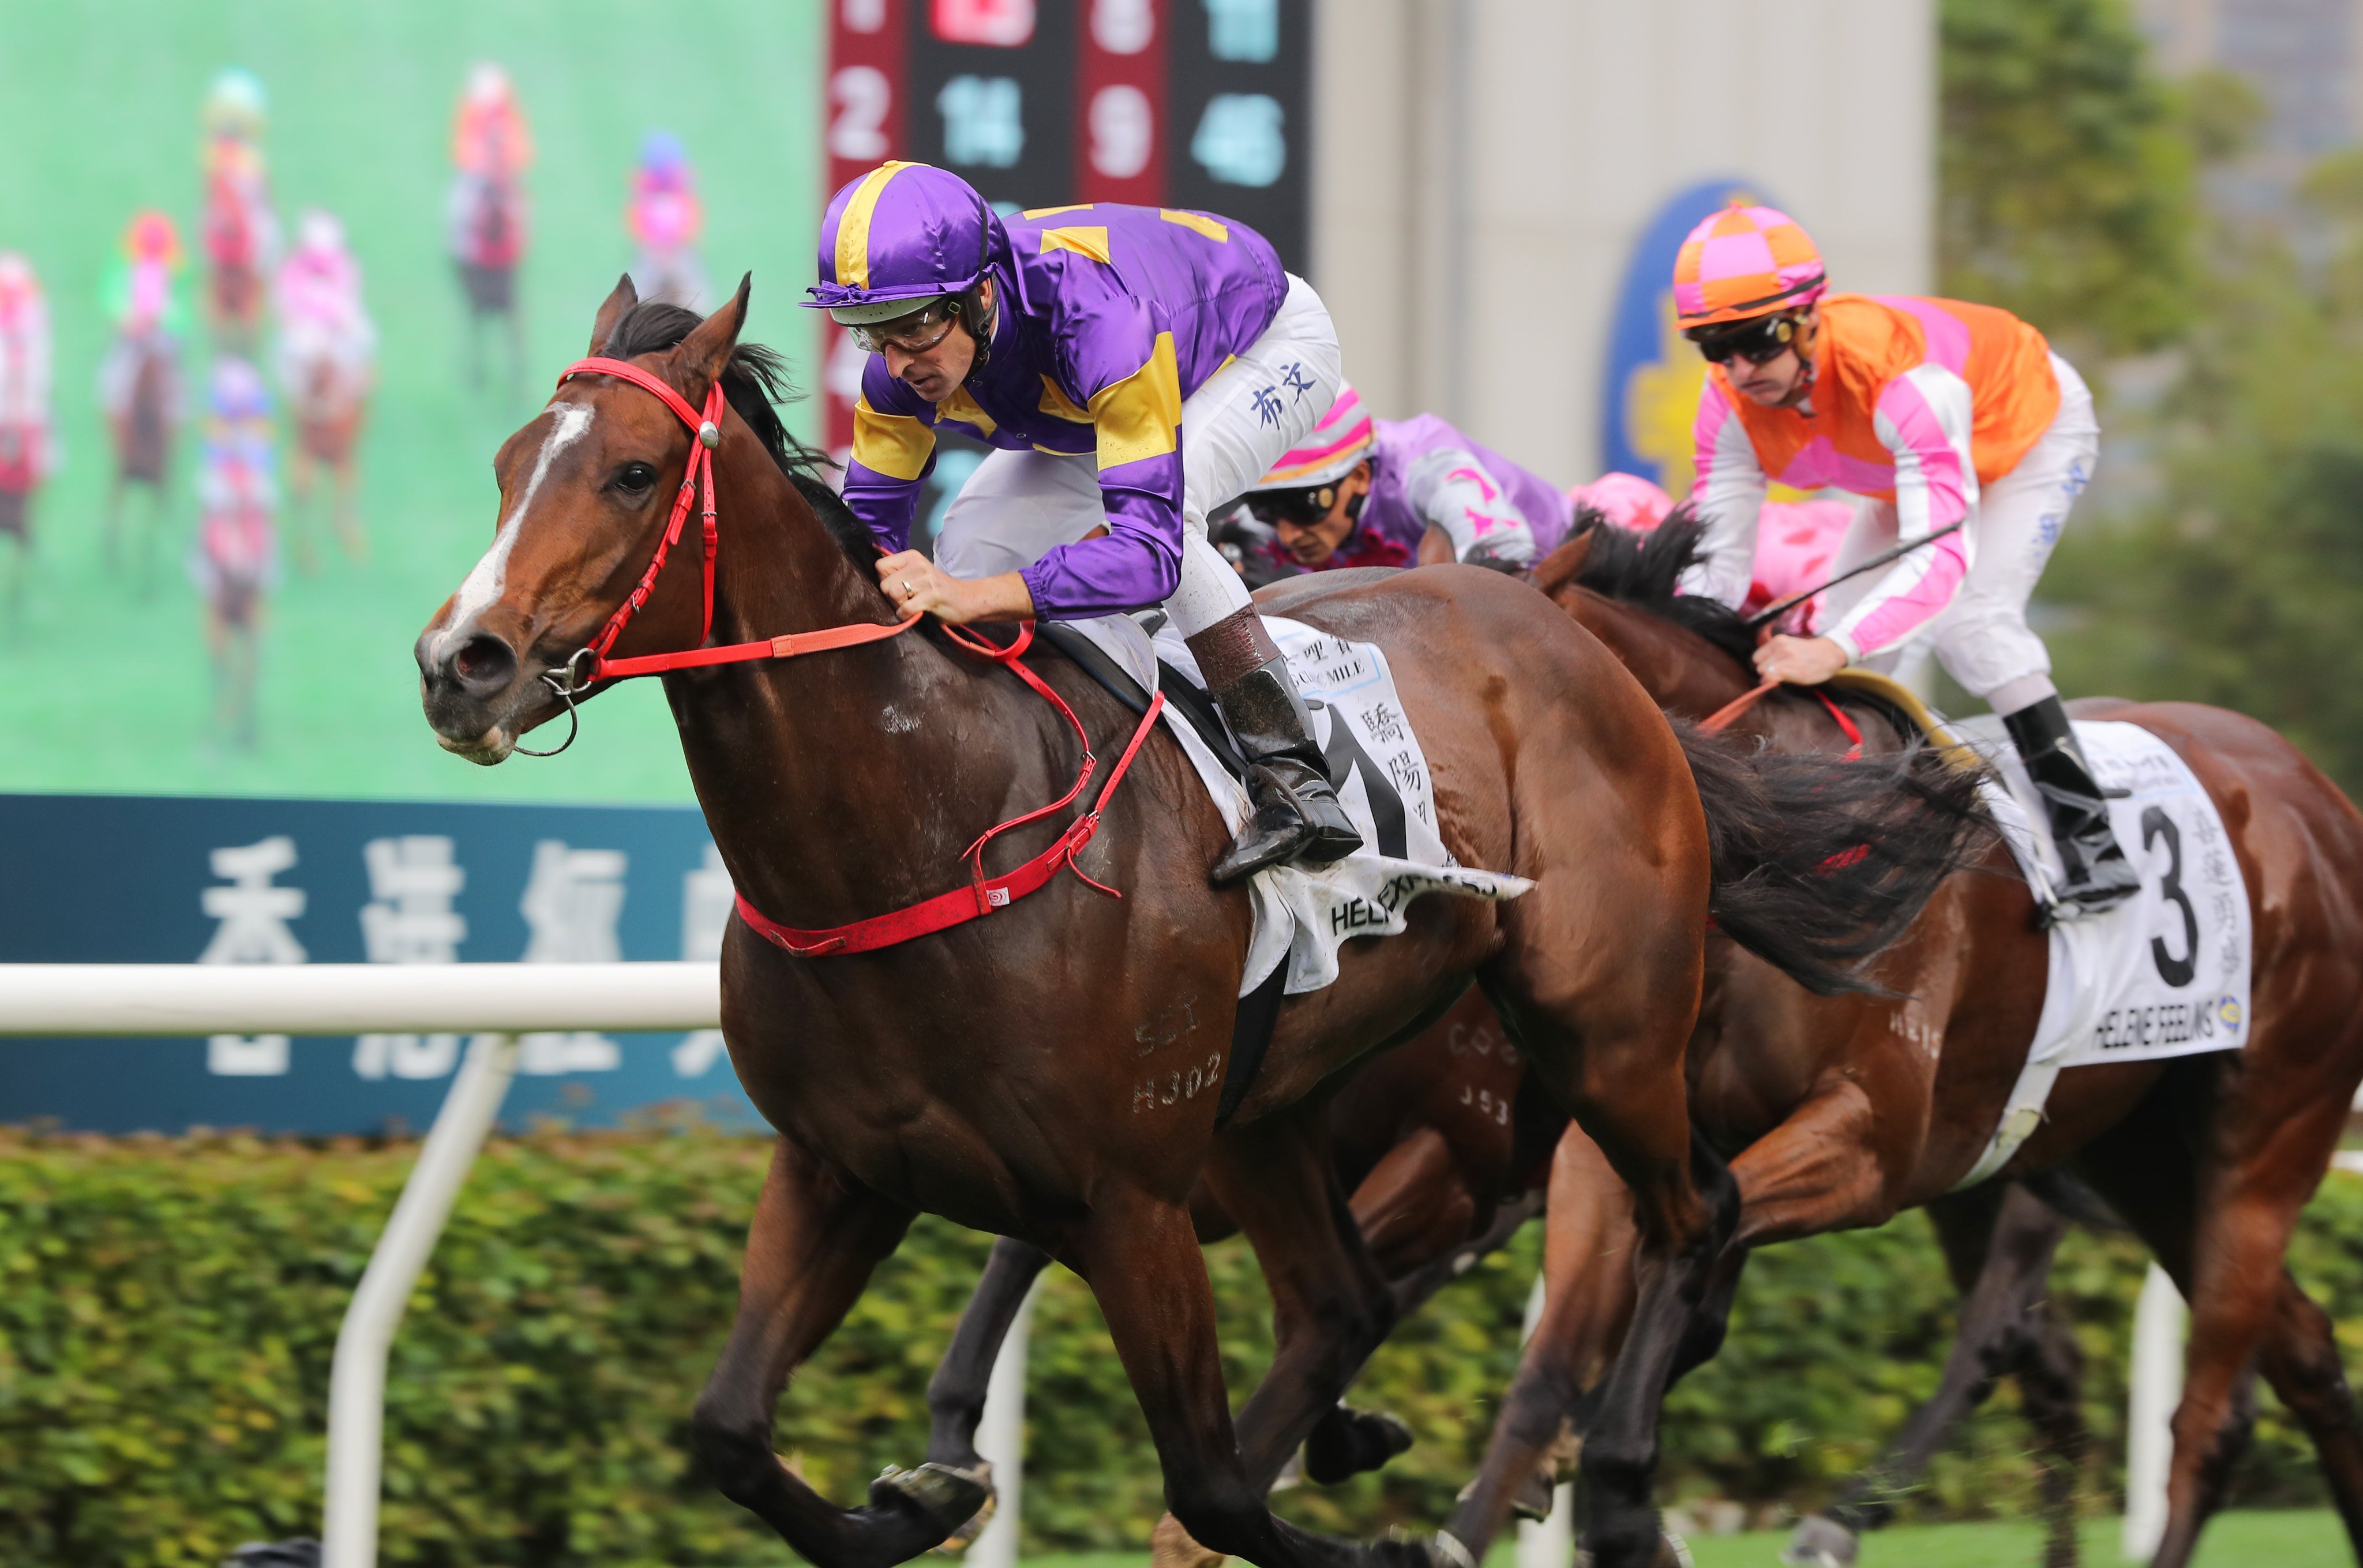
[1365,491]
[1134,367]
[1971,436]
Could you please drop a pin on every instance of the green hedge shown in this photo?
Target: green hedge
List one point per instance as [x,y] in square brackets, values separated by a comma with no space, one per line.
[169,1308]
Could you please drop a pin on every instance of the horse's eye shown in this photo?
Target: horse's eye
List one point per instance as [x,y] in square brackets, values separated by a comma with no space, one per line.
[635,478]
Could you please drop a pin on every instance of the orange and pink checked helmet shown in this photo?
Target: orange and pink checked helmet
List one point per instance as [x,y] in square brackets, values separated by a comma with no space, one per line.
[1744,262]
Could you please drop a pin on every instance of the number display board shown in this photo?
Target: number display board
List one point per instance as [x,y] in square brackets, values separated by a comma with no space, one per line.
[159,880]
[1201,103]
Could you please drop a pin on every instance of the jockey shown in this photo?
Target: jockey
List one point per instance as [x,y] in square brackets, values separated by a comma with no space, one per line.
[26,451]
[489,138]
[321,310]
[1625,499]
[663,217]
[1134,367]
[1972,438]
[1365,491]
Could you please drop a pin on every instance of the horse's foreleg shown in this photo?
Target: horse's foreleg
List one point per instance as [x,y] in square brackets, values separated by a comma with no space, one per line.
[956,1394]
[1141,1258]
[1589,1243]
[814,1241]
[1332,1307]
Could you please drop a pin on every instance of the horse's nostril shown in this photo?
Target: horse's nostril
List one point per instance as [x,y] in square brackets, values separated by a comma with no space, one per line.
[484,664]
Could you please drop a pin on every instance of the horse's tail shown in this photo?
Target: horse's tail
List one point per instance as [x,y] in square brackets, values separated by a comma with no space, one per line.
[1817,863]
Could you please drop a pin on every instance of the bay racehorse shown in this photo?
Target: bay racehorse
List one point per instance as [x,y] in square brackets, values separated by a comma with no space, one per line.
[140,386]
[1841,1111]
[330,401]
[988,1071]
[487,239]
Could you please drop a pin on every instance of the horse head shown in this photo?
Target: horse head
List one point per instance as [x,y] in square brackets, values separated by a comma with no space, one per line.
[587,490]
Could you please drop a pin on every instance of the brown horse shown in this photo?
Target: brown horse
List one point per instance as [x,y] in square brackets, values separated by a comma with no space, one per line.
[487,234]
[141,387]
[1442,1152]
[1841,1111]
[327,411]
[988,1073]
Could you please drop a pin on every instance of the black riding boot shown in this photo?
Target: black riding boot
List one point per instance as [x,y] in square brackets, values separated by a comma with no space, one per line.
[1296,815]
[2099,876]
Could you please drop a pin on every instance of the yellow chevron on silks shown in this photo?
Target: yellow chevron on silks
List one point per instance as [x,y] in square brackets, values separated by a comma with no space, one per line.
[961,407]
[853,229]
[1032,213]
[1091,243]
[1057,404]
[895,445]
[1217,233]
[1140,416]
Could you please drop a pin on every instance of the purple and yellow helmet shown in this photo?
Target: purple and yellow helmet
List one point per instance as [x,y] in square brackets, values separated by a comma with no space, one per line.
[898,236]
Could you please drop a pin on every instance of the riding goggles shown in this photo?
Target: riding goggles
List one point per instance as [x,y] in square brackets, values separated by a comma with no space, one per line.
[1756,341]
[912,334]
[1297,508]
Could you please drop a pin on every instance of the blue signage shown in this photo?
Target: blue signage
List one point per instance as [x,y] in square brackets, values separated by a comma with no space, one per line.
[1650,399]
[163,879]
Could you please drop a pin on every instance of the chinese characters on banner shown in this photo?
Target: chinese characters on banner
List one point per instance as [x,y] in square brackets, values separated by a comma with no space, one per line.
[1198,103]
[297,882]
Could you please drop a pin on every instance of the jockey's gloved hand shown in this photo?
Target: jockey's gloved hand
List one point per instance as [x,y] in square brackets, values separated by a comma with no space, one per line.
[1506,550]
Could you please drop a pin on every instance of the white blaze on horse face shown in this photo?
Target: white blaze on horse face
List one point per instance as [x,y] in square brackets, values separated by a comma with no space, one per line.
[486,584]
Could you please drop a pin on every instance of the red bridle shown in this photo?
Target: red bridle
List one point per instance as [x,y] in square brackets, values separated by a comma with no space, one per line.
[984,895]
[706,428]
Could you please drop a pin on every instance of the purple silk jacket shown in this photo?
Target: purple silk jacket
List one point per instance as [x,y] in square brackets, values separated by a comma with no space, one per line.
[1419,475]
[1107,318]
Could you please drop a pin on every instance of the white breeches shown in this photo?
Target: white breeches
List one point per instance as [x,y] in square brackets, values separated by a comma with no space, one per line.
[1982,638]
[1019,505]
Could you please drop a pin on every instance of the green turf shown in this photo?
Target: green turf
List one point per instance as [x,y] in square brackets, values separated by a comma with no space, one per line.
[101,691]
[2308,1538]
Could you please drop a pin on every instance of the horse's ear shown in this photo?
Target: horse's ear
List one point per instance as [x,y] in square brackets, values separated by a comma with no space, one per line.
[602,326]
[706,353]
[1565,565]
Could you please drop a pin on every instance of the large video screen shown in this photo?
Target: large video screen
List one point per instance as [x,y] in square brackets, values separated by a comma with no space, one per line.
[276,279]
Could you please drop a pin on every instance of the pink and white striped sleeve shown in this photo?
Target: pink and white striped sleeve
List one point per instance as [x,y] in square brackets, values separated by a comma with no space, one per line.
[1728,496]
[1924,417]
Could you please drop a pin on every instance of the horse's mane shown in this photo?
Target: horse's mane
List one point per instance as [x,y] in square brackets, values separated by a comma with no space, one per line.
[1642,570]
[755,379]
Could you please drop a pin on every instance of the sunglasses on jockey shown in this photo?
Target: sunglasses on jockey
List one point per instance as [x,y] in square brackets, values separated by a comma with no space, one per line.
[1298,508]
[1765,338]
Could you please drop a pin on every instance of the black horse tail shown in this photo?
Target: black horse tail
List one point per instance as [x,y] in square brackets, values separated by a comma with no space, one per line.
[1817,863]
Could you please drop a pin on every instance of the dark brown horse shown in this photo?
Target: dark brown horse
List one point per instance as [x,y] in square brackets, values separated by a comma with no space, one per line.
[487,241]
[988,1074]
[1842,1111]
[142,392]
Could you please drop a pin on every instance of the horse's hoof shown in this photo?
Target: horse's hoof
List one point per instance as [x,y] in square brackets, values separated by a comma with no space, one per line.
[1349,1442]
[965,1536]
[1820,1541]
[1535,1499]
[949,1496]
[1169,1546]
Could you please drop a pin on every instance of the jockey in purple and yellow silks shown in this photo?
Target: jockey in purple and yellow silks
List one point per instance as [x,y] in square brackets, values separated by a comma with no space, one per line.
[1134,367]
[1365,491]
[1972,438]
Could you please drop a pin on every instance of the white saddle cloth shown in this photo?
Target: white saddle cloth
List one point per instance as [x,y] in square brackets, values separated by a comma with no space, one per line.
[2166,972]
[1303,914]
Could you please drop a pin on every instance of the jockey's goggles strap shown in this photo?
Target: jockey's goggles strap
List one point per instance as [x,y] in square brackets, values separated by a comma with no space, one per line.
[983,894]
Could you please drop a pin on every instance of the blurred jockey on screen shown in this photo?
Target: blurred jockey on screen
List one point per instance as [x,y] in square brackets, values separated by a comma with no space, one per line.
[1365,491]
[1968,433]
[1134,367]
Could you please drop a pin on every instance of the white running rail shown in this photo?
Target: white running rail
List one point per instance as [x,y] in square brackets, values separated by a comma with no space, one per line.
[499,999]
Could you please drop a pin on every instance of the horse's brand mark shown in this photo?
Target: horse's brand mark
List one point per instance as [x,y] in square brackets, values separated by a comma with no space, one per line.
[1178,1086]
[1167,1026]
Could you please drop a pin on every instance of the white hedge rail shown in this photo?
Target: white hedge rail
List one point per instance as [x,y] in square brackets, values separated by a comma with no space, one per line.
[493,1001]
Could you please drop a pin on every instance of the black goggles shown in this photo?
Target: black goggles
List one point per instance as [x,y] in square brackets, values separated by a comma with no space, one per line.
[1301,509]
[1755,342]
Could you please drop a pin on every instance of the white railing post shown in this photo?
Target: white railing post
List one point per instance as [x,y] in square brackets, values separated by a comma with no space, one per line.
[2157,1388]
[1001,1441]
[357,1380]
[1549,1542]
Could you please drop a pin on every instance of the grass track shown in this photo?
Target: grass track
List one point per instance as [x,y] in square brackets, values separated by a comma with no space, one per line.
[101,691]
[2296,1538]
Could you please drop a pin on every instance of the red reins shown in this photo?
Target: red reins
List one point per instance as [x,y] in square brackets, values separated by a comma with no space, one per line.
[984,895]
[1723,717]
